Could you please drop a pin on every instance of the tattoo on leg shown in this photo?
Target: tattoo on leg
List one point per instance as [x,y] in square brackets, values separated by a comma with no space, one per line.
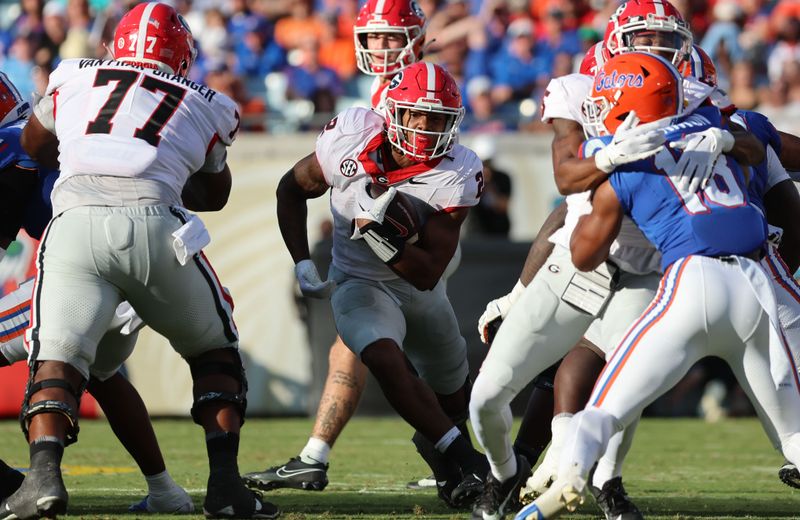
[338,403]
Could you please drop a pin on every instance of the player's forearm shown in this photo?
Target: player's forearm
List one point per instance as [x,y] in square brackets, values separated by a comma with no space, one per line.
[292,219]
[591,242]
[747,149]
[206,191]
[576,175]
[542,247]
[790,151]
[420,268]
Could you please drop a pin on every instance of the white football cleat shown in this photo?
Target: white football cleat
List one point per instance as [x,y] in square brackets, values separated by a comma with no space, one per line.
[562,497]
[539,482]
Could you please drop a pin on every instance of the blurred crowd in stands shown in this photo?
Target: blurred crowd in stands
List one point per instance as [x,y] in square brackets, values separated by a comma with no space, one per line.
[291,63]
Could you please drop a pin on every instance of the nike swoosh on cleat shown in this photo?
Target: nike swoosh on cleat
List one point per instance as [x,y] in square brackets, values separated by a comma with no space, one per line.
[288,473]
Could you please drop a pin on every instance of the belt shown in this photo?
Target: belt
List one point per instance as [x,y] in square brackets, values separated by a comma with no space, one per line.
[756,255]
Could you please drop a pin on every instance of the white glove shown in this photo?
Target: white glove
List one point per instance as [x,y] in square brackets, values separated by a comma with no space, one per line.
[311,285]
[498,309]
[700,151]
[631,143]
[376,212]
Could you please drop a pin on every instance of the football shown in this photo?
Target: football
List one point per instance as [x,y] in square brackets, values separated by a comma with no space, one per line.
[401,215]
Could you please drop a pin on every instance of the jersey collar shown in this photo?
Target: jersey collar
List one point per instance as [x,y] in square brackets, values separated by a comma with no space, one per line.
[394,176]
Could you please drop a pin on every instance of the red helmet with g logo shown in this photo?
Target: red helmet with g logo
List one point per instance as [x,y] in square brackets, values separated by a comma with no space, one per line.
[700,67]
[154,35]
[12,106]
[390,17]
[638,81]
[423,87]
[659,27]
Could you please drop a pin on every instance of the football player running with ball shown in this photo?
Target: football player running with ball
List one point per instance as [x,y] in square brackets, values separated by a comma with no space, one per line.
[389,36]
[387,294]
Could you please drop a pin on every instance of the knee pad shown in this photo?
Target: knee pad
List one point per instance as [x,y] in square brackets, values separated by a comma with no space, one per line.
[202,368]
[29,410]
[546,380]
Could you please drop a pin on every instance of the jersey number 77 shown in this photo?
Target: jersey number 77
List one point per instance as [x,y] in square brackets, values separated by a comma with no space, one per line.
[125,79]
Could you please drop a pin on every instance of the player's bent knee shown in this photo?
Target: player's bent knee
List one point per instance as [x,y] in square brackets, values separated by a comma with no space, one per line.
[214,363]
[488,396]
[32,409]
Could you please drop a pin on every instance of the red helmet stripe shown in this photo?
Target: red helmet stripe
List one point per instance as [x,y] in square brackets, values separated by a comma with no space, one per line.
[141,37]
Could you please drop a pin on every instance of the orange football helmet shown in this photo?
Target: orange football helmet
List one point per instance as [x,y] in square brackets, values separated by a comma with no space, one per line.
[638,81]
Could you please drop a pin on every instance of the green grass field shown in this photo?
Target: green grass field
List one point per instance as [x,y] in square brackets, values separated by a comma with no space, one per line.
[678,469]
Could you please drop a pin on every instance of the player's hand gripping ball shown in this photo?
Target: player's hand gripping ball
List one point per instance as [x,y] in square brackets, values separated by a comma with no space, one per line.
[400,218]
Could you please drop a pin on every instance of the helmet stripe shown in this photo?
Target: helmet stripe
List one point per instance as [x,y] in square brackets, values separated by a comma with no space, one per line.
[659,6]
[141,37]
[379,9]
[431,86]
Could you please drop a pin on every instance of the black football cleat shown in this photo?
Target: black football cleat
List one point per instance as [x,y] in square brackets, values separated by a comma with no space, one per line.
[501,498]
[295,474]
[614,501]
[789,475]
[41,495]
[10,480]
[229,498]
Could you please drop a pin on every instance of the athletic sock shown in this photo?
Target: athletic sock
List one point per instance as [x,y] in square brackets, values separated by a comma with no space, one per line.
[160,483]
[223,448]
[46,453]
[316,451]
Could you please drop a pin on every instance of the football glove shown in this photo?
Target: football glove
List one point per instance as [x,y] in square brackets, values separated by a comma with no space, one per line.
[497,310]
[311,285]
[630,143]
[379,238]
[700,152]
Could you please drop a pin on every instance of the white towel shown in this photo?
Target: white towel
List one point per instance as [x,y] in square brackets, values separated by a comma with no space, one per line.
[131,321]
[190,239]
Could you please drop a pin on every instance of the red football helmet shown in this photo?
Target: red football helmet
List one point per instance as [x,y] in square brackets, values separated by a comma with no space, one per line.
[593,60]
[700,67]
[154,35]
[640,81]
[403,17]
[423,87]
[12,106]
[657,22]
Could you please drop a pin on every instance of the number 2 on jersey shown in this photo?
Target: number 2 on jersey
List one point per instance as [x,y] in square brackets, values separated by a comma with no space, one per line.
[125,79]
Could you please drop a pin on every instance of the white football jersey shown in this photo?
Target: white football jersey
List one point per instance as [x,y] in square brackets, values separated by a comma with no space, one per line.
[114,119]
[631,251]
[348,151]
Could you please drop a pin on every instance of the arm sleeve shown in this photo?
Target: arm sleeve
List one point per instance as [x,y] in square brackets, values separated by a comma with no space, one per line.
[45,112]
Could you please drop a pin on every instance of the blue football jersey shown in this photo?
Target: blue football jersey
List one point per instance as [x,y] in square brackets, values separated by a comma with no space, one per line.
[39,210]
[761,127]
[717,220]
